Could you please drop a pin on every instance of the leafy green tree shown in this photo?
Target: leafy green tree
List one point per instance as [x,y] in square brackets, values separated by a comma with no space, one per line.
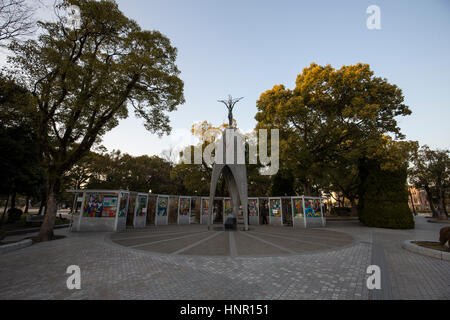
[258,185]
[84,80]
[431,172]
[196,178]
[19,153]
[15,101]
[382,190]
[86,169]
[21,171]
[383,199]
[123,171]
[282,184]
[328,122]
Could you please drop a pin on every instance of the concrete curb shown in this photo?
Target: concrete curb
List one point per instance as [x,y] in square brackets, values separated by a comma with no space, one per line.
[15,246]
[433,221]
[32,230]
[342,220]
[408,245]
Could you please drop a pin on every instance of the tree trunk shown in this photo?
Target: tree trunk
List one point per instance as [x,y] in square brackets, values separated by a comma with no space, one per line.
[43,204]
[5,209]
[13,199]
[46,232]
[436,212]
[441,204]
[412,203]
[27,205]
[445,207]
[307,188]
[354,208]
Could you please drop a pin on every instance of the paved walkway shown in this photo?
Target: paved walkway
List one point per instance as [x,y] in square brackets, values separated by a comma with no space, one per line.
[259,241]
[112,271]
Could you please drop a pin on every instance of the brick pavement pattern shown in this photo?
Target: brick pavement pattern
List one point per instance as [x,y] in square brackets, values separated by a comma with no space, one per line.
[111,270]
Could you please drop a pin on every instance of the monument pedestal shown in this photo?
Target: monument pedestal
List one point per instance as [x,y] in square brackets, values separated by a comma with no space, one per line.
[231,224]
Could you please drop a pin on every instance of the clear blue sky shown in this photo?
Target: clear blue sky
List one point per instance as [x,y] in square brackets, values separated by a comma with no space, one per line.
[244,47]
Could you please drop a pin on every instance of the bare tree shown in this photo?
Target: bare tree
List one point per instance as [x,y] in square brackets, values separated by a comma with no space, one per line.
[16,19]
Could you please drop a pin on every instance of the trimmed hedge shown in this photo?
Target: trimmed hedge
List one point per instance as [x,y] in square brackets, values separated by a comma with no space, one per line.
[341,211]
[383,197]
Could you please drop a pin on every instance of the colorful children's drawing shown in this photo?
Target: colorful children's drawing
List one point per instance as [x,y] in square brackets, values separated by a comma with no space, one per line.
[227,209]
[253,207]
[298,208]
[163,203]
[205,206]
[275,207]
[93,206]
[185,204]
[142,206]
[123,205]
[109,205]
[312,208]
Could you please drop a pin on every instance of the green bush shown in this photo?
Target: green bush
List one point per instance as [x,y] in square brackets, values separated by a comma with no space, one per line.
[341,211]
[14,214]
[384,197]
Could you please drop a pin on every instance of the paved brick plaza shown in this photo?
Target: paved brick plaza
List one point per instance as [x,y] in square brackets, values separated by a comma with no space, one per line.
[113,270]
[259,241]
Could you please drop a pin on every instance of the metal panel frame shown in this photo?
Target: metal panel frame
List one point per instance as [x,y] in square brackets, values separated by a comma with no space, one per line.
[137,205]
[118,208]
[168,208]
[201,208]
[303,210]
[190,205]
[281,209]
[257,201]
[99,191]
[321,208]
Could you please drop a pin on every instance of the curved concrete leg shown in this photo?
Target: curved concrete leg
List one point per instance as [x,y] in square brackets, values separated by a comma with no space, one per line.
[217,170]
[239,173]
[236,179]
[233,191]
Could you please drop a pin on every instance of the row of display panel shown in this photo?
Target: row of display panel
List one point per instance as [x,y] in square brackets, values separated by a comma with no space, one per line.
[106,210]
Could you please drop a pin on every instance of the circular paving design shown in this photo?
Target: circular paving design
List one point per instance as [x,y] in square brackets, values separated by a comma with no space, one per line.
[196,240]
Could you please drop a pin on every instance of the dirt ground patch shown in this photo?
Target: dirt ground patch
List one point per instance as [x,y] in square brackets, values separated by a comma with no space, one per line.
[431,245]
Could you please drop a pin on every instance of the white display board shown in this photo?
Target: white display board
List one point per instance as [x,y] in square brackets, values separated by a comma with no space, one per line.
[184,210]
[162,210]
[298,215]
[101,210]
[253,211]
[204,210]
[140,211]
[227,211]
[275,212]
[313,211]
